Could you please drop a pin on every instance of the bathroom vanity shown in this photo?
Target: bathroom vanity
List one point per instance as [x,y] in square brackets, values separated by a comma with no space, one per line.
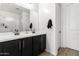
[23,45]
[16,37]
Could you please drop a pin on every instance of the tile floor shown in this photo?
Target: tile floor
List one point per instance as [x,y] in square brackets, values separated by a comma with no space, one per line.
[68,52]
[45,54]
[63,52]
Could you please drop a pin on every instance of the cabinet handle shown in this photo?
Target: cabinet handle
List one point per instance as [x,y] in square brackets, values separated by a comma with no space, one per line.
[23,43]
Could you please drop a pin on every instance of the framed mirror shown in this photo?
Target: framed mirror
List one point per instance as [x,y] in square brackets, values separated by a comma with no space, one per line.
[13,17]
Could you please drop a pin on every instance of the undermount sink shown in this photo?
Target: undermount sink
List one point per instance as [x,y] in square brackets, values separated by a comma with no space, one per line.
[25,32]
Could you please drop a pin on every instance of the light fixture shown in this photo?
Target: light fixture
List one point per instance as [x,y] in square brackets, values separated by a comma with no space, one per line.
[46,10]
[9,19]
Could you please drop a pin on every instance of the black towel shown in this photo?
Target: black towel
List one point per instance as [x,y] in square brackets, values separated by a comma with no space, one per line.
[49,24]
[31,25]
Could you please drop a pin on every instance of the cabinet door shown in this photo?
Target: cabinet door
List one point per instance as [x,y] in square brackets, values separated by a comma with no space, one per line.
[11,48]
[1,49]
[36,45]
[27,47]
[43,42]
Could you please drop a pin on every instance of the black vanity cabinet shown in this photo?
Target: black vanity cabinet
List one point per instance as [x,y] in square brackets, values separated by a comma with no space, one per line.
[39,44]
[30,46]
[43,42]
[33,45]
[12,48]
[1,49]
[27,46]
[36,45]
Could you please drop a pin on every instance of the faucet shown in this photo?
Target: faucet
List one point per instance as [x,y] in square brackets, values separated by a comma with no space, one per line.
[16,32]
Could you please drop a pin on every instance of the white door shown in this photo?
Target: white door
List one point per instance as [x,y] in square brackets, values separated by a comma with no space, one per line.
[73,26]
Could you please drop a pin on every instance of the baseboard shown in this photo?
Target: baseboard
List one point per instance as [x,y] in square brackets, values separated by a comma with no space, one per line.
[52,53]
[70,48]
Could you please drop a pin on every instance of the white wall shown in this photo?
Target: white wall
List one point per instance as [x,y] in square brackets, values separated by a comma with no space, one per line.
[46,12]
[34,17]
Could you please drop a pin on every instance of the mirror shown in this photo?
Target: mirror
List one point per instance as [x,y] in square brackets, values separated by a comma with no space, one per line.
[13,17]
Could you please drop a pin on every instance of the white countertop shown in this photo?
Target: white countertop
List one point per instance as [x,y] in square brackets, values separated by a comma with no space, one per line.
[10,36]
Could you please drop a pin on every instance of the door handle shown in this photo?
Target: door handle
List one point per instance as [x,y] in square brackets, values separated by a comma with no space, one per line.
[60,31]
